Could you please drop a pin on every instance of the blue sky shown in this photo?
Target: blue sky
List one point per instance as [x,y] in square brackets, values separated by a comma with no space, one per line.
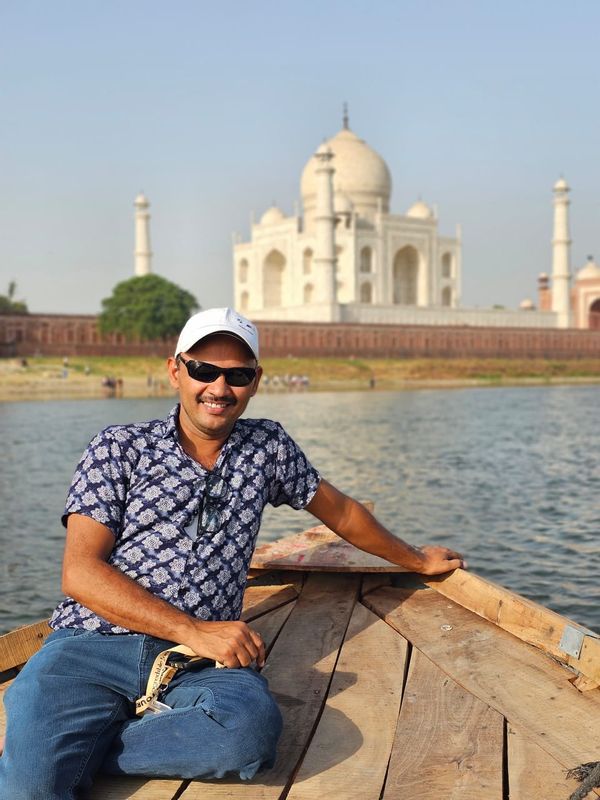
[212,109]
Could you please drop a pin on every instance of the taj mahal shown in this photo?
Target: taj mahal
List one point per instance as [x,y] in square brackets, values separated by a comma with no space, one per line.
[348,258]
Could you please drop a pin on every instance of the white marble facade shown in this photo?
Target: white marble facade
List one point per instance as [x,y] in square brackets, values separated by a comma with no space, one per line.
[386,265]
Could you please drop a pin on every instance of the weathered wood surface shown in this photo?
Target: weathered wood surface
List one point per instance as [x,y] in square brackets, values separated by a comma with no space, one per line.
[448,743]
[520,682]
[532,773]
[19,645]
[364,699]
[260,599]
[318,550]
[522,617]
[338,672]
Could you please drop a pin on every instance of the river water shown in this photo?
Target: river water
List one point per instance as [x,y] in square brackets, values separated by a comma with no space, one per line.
[509,476]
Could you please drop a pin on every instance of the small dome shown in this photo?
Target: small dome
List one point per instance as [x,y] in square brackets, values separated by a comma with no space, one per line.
[591,270]
[272,216]
[420,210]
[141,200]
[526,305]
[360,173]
[561,185]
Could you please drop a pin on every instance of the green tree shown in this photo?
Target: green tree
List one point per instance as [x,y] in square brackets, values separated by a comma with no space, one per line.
[8,304]
[145,308]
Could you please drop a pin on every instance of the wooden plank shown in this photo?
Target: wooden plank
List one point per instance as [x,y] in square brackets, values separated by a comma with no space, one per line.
[260,599]
[448,743]
[299,670]
[526,686]
[349,752]
[3,688]
[529,621]
[532,773]
[318,550]
[374,581]
[128,788]
[19,645]
[270,625]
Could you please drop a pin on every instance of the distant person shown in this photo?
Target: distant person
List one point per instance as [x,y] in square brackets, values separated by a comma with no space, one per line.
[162,518]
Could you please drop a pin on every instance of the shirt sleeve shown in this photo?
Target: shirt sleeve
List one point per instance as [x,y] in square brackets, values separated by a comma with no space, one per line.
[295,480]
[99,485]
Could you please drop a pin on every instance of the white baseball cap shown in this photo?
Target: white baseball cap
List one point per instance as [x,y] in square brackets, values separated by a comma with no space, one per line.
[217,320]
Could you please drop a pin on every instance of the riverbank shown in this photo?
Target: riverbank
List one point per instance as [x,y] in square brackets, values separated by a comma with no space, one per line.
[93,377]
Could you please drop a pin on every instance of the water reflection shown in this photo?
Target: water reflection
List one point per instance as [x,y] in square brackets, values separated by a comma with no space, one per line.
[508,476]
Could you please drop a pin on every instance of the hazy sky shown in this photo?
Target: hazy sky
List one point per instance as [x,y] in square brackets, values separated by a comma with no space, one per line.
[212,109]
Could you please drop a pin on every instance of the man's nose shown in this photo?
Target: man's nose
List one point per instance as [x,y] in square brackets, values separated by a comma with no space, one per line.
[220,385]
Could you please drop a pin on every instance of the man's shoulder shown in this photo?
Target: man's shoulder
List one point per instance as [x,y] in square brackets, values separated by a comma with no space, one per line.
[136,435]
[259,423]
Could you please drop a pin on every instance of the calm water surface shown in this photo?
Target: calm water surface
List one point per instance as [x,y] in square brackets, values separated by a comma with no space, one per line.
[508,476]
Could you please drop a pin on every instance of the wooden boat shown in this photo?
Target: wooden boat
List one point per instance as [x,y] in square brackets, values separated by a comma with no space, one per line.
[393,686]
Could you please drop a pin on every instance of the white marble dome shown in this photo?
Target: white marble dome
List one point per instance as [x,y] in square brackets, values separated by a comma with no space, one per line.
[272,216]
[420,210]
[360,174]
[590,270]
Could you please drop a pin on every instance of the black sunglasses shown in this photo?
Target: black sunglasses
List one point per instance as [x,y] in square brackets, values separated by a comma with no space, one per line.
[207,373]
[216,493]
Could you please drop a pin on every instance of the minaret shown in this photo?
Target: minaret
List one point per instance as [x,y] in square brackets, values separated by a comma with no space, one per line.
[325,259]
[561,243]
[142,253]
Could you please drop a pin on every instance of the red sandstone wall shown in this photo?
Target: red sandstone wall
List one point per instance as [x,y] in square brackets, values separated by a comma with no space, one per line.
[72,335]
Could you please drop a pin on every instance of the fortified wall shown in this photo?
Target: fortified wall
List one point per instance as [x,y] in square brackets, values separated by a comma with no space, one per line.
[77,335]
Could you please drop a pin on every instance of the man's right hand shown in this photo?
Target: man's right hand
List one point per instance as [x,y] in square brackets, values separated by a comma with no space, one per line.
[233,644]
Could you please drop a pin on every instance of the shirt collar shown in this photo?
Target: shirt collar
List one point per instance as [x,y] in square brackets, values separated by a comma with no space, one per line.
[171,429]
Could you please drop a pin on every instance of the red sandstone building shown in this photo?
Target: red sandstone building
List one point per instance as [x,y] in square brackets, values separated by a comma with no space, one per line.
[72,335]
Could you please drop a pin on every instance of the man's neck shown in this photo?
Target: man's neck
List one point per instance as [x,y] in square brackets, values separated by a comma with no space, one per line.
[202,449]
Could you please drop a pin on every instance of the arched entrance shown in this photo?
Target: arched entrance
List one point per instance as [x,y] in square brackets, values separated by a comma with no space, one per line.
[405,273]
[273,268]
[594,316]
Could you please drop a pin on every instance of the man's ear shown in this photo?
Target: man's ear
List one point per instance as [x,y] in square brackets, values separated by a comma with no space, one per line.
[173,372]
[259,374]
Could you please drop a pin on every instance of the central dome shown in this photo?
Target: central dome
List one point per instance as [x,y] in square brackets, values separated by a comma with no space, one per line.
[361,176]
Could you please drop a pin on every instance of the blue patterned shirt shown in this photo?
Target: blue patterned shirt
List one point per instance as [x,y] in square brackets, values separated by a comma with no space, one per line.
[137,480]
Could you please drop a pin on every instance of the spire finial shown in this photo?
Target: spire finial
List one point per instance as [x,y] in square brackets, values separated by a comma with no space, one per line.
[345,118]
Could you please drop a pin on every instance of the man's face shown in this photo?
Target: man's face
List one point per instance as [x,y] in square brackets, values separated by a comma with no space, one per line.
[209,410]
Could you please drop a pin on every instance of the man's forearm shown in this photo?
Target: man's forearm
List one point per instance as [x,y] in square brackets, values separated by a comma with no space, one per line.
[359,527]
[353,522]
[116,597]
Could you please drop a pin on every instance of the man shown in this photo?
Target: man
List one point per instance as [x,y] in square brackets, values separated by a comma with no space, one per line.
[162,519]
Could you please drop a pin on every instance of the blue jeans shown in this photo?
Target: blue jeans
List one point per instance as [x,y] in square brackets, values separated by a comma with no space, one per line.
[70,714]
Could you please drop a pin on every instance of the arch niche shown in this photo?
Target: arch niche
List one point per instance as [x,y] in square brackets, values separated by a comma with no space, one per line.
[244,301]
[405,276]
[308,293]
[243,271]
[446,296]
[307,259]
[273,268]
[366,293]
[594,316]
[366,260]
[447,265]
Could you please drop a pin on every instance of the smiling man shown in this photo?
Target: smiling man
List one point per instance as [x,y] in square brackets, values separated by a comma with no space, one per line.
[162,519]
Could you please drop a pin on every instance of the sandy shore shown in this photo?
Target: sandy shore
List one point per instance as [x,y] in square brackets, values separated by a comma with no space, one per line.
[49,379]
